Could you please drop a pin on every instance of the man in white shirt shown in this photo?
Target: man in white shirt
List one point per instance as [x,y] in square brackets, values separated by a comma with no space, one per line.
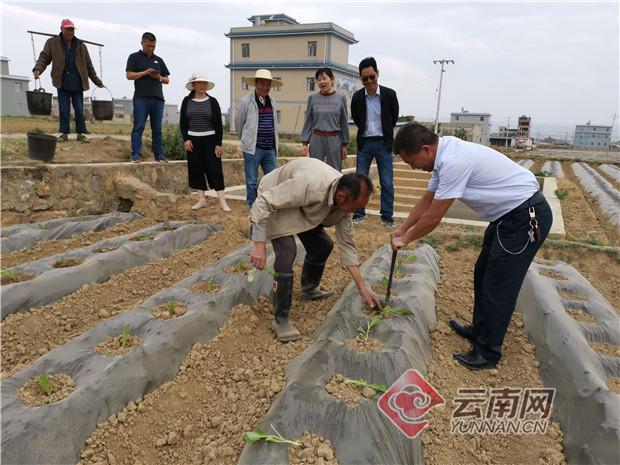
[498,190]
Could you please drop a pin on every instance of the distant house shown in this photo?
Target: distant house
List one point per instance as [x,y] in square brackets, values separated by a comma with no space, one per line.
[588,135]
[14,89]
[292,52]
[476,124]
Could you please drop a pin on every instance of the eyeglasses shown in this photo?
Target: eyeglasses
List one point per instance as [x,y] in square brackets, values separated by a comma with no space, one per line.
[371,78]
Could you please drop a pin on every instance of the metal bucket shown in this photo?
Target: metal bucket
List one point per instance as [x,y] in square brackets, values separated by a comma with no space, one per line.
[103,110]
[39,101]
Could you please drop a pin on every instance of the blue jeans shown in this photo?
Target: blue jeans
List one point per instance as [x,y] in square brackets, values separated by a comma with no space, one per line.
[385,164]
[65,99]
[152,107]
[266,159]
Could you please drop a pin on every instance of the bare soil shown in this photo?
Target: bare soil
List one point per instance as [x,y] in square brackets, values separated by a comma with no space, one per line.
[14,278]
[345,392]
[32,394]
[66,262]
[364,346]
[314,450]
[614,384]
[205,287]
[23,124]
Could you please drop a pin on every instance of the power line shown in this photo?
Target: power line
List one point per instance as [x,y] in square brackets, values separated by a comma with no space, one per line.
[443,62]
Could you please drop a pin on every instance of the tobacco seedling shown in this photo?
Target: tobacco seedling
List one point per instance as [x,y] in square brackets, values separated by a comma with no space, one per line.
[410,258]
[172,307]
[363,333]
[211,283]
[259,435]
[168,227]
[561,194]
[144,238]
[387,310]
[384,283]
[361,383]
[398,272]
[9,274]
[60,261]
[44,384]
[125,337]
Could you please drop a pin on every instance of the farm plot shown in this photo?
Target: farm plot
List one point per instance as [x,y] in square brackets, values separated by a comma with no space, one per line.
[44,281]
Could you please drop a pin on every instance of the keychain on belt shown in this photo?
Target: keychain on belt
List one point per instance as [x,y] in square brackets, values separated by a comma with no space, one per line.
[534,231]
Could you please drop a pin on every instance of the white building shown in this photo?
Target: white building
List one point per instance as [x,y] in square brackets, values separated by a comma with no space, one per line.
[588,135]
[14,89]
[483,120]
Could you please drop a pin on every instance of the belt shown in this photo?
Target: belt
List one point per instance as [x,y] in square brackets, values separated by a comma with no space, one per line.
[535,199]
[326,133]
[372,137]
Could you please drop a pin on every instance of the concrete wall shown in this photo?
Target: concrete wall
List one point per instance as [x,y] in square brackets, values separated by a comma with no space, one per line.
[39,193]
[289,48]
[14,97]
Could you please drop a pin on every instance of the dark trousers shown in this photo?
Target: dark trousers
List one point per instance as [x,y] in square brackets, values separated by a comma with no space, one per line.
[65,99]
[498,274]
[316,241]
[203,166]
[375,148]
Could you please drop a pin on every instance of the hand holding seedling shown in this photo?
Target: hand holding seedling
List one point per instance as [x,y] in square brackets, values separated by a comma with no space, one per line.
[258,256]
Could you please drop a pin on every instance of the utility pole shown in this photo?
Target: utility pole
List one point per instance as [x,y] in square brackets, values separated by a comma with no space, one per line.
[611,133]
[442,62]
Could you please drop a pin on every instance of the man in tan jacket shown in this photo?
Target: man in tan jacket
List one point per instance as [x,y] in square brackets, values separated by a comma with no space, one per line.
[302,197]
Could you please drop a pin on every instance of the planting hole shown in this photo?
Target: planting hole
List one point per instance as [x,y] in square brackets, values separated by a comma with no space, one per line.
[142,238]
[209,286]
[119,345]
[569,296]
[104,249]
[580,315]
[364,346]
[170,310]
[610,350]
[46,389]
[10,277]
[63,262]
[552,275]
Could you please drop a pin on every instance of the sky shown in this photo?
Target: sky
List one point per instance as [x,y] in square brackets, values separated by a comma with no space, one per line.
[557,62]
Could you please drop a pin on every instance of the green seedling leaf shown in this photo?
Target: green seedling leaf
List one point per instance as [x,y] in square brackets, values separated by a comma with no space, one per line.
[60,261]
[384,281]
[144,238]
[259,435]
[364,333]
[125,337]
[45,385]
[9,274]
[211,283]
[396,311]
[410,258]
[41,226]
[361,383]
[172,307]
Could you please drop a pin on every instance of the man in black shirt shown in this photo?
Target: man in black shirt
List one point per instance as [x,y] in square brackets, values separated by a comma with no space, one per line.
[149,72]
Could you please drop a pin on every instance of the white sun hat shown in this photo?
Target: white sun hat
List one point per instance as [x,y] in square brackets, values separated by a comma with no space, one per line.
[262,74]
[199,77]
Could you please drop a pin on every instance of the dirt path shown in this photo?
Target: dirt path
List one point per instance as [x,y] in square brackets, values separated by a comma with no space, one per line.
[586,225]
[47,248]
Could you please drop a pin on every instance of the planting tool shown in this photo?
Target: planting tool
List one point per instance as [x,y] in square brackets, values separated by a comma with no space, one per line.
[389,286]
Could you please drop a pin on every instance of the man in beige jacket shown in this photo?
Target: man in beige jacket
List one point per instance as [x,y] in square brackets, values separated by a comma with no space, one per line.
[302,197]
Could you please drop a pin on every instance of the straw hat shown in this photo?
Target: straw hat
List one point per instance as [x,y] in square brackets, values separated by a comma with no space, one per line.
[198,77]
[262,74]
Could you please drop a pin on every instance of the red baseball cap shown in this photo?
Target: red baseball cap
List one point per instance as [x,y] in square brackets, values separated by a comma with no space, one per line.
[67,23]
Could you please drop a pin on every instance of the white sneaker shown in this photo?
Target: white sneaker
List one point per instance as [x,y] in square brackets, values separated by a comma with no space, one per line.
[199,204]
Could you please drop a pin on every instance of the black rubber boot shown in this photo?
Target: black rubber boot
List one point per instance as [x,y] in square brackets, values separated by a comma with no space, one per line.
[311,275]
[281,298]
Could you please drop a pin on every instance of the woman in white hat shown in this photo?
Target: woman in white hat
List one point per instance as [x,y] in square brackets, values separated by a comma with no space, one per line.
[201,127]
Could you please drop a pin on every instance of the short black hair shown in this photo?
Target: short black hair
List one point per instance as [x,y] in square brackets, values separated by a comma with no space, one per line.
[366,62]
[149,36]
[327,71]
[351,183]
[411,137]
